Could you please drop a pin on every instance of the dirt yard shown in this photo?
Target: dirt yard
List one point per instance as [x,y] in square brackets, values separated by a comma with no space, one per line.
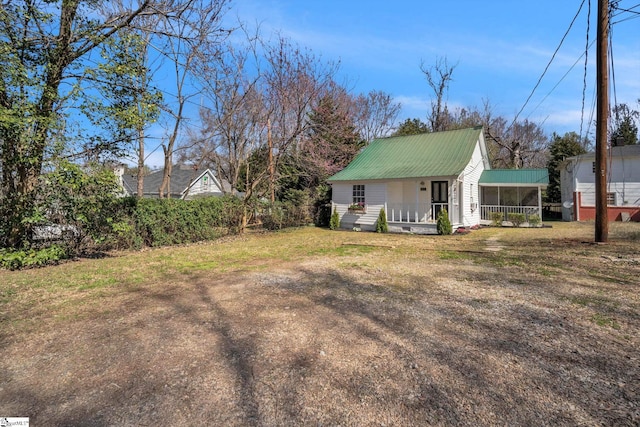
[312,327]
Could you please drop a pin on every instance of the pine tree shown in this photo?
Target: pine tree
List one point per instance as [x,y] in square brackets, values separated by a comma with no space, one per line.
[443,224]
[560,149]
[334,224]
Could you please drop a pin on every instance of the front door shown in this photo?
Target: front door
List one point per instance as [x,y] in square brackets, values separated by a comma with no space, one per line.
[439,197]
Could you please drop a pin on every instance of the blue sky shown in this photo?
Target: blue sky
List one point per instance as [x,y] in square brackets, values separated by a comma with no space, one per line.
[501,47]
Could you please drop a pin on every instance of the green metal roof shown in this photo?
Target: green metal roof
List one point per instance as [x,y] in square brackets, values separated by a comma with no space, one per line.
[414,156]
[515,176]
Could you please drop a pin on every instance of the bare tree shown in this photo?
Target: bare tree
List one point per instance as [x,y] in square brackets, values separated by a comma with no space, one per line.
[143,87]
[376,115]
[234,117]
[198,30]
[521,145]
[295,79]
[438,77]
[256,102]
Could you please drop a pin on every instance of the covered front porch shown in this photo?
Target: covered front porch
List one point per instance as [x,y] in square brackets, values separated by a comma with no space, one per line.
[413,206]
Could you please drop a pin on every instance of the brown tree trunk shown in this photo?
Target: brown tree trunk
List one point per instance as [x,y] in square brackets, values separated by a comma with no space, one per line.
[140,189]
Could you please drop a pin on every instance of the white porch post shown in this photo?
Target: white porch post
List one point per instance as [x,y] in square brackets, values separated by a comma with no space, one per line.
[540,202]
[452,196]
[417,183]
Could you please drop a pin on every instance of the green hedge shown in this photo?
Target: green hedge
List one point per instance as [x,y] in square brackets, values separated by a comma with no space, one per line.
[161,222]
[130,223]
[27,258]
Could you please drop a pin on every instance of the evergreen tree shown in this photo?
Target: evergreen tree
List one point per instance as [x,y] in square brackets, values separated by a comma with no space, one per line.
[560,149]
[381,224]
[443,224]
[334,223]
[411,127]
[333,141]
[625,128]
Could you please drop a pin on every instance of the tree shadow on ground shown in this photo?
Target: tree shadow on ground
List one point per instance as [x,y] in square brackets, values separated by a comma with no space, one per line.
[320,346]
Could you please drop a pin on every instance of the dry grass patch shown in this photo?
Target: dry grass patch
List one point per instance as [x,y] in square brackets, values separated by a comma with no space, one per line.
[315,327]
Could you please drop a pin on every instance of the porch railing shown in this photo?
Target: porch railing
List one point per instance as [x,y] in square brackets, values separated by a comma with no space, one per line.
[486,210]
[414,213]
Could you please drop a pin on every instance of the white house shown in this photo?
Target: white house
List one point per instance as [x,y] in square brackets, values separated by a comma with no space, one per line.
[578,188]
[186,182]
[414,177]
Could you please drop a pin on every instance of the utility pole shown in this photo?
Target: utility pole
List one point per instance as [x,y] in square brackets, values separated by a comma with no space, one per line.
[602,121]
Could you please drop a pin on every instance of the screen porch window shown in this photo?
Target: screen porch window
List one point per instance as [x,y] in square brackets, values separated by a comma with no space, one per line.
[358,195]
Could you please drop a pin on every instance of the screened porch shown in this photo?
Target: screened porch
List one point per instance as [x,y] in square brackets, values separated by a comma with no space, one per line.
[510,199]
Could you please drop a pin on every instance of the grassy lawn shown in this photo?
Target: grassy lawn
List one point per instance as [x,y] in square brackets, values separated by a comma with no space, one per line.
[501,326]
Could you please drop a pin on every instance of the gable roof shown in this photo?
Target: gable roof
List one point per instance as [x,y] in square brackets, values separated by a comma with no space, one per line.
[514,176]
[413,156]
[182,176]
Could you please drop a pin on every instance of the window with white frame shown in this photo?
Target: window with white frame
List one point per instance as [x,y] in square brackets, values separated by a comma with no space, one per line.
[358,195]
[611,199]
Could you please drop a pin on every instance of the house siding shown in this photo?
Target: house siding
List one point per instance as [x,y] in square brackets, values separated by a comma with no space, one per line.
[394,193]
[471,189]
[578,186]
[567,192]
[200,187]
[375,197]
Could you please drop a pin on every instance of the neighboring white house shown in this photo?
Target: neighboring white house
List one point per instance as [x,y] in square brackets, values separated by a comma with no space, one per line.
[578,188]
[414,177]
[186,182]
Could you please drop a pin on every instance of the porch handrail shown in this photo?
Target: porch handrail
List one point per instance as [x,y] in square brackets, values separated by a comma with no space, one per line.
[486,210]
[420,213]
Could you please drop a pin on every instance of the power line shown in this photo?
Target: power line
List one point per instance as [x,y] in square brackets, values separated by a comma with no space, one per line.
[548,64]
[561,79]
[621,11]
[630,10]
[613,73]
[591,114]
[626,19]
[586,62]
[585,54]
